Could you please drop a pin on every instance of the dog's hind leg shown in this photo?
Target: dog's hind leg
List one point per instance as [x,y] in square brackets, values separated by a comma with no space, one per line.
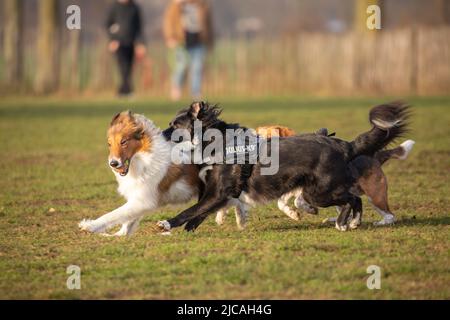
[241,213]
[357,210]
[380,203]
[375,186]
[283,205]
[300,203]
[353,206]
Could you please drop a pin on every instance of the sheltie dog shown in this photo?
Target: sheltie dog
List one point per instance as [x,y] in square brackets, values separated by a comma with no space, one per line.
[140,158]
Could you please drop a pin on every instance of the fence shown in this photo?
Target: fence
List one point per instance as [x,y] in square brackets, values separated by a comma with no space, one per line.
[397,62]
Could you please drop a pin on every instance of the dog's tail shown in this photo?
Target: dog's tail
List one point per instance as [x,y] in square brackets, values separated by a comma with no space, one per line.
[389,121]
[401,152]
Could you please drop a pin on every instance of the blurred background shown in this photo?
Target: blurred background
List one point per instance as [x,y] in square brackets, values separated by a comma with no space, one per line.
[262,47]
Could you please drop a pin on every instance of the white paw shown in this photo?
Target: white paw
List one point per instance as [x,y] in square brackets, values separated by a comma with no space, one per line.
[164,225]
[354,223]
[341,228]
[387,220]
[90,225]
[219,219]
[241,226]
[294,215]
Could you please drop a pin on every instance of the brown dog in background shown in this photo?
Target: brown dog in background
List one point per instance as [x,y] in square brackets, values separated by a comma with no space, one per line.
[369,176]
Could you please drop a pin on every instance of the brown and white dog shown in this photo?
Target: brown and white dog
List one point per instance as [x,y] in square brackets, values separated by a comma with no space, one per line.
[370,178]
[140,158]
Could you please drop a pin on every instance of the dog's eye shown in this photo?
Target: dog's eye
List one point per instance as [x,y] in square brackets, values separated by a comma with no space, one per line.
[123,142]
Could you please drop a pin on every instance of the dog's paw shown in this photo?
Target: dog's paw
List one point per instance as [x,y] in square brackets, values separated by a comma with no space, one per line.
[343,227]
[241,225]
[191,226]
[220,218]
[354,223]
[294,215]
[387,220]
[163,226]
[90,226]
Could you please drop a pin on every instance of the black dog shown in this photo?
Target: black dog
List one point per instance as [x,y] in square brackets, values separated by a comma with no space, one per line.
[316,163]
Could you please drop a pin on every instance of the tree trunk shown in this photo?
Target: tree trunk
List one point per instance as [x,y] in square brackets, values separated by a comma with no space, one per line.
[12,42]
[74,54]
[46,74]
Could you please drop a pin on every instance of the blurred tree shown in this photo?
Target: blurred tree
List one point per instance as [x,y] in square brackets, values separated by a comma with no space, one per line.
[46,73]
[74,54]
[12,41]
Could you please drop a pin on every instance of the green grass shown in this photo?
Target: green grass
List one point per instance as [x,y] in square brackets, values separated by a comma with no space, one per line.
[53,155]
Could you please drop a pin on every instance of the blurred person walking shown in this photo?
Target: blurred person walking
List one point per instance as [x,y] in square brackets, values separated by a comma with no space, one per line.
[125,29]
[188,33]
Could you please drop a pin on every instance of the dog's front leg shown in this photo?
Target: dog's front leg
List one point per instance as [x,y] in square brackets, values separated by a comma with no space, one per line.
[126,214]
[220,216]
[207,205]
[128,228]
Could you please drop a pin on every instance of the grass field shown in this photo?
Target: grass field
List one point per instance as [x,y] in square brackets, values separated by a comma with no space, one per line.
[54,156]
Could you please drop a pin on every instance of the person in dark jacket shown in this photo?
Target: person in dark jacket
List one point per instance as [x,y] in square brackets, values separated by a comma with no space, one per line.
[125,30]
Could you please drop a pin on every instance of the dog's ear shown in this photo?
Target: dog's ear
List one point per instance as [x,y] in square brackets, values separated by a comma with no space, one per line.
[129,114]
[139,133]
[114,119]
[126,113]
[195,108]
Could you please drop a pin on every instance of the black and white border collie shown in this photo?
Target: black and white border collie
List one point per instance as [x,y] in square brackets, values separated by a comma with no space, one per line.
[317,164]
[369,176]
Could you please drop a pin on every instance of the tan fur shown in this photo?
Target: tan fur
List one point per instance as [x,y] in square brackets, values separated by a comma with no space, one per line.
[374,185]
[276,131]
[124,128]
[176,172]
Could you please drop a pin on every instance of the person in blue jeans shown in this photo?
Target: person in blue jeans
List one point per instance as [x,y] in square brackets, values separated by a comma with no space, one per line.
[187,32]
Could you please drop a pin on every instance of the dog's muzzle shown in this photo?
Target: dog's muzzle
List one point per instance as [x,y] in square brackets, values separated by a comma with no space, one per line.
[120,167]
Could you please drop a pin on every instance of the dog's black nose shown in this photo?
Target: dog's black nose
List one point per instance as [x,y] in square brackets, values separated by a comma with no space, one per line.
[114,163]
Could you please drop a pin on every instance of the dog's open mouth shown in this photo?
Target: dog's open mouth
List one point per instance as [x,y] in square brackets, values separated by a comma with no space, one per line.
[123,170]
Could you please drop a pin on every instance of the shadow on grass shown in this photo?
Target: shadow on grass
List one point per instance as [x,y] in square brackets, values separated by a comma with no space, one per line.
[413,221]
[402,222]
